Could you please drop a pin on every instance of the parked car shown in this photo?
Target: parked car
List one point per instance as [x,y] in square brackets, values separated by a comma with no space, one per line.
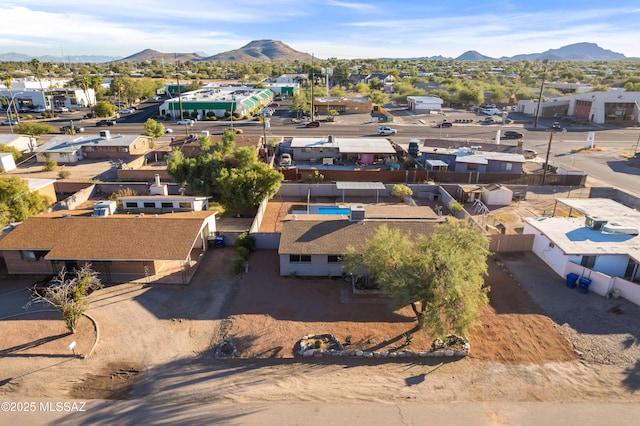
[556,126]
[24,109]
[105,123]
[127,110]
[274,105]
[61,109]
[445,124]
[512,134]
[185,122]
[529,153]
[386,131]
[40,287]
[285,159]
[313,124]
[489,120]
[67,129]
[39,109]
[9,122]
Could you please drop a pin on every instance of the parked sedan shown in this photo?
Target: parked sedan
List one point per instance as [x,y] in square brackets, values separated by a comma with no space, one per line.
[313,124]
[105,123]
[9,122]
[512,134]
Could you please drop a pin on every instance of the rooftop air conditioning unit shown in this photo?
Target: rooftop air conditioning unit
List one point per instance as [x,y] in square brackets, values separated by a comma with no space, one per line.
[356,213]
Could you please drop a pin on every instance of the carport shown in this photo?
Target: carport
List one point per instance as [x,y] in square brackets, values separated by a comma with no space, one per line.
[361,186]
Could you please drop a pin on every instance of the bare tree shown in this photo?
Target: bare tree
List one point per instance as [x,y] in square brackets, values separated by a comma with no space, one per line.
[69,295]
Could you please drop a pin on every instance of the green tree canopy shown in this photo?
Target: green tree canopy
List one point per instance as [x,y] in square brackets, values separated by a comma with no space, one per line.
[105,109]
[240,179]
[18,203]
[153,129]
[439,275]
[35,129]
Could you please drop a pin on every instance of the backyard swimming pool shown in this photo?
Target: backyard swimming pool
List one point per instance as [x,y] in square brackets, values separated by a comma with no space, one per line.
[333,210]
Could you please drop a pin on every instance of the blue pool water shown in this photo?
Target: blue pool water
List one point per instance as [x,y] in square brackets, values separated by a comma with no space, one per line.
[333,210]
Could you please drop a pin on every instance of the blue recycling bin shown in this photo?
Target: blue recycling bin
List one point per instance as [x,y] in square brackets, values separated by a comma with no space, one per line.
[583,285]
[219,241]
[572,278]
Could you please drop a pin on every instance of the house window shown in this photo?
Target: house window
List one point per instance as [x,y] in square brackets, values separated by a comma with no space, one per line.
[300,258]
[149,205]
[166,205]
[506,166]
[185,205]
[131,204]
[472,167]
[334,258]
[27,255]
[588,261]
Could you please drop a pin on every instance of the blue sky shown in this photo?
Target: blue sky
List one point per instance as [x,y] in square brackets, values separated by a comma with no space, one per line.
[326,28]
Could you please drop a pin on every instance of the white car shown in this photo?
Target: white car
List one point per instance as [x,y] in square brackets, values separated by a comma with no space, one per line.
[9,122]
[185,122]
[127,111]
[168,130]
[62,109]
[386,131]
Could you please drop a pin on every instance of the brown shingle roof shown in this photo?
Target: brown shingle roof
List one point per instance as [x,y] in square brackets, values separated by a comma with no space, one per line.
[118,237]
[333,236]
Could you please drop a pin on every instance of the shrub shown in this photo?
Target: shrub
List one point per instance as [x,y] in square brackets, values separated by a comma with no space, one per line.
[49,165]
[247,241]
[64,174]
[242,252]
[238,265]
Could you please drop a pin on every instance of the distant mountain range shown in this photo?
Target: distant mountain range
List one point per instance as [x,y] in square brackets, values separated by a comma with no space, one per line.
[274,50]
[571,52]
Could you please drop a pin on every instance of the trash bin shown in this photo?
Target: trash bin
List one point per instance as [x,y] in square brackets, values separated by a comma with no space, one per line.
[583,285]
[572,278]
[219,240]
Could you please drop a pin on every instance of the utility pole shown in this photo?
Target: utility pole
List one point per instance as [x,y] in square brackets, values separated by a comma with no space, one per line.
[544,73]
[178,81]
[546,160]
[312,78]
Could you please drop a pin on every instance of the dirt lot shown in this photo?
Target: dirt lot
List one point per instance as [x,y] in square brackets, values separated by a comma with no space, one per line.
[155,345]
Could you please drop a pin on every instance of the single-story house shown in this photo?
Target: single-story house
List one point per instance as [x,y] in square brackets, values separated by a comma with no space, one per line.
[365,151]
[22,143]
[164,203]
[71,149]
[601,243]
[312,244]
[472,159]
[121,247]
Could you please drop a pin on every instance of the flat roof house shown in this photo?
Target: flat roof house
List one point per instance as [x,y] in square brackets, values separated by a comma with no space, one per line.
[71,149]
[602,244]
